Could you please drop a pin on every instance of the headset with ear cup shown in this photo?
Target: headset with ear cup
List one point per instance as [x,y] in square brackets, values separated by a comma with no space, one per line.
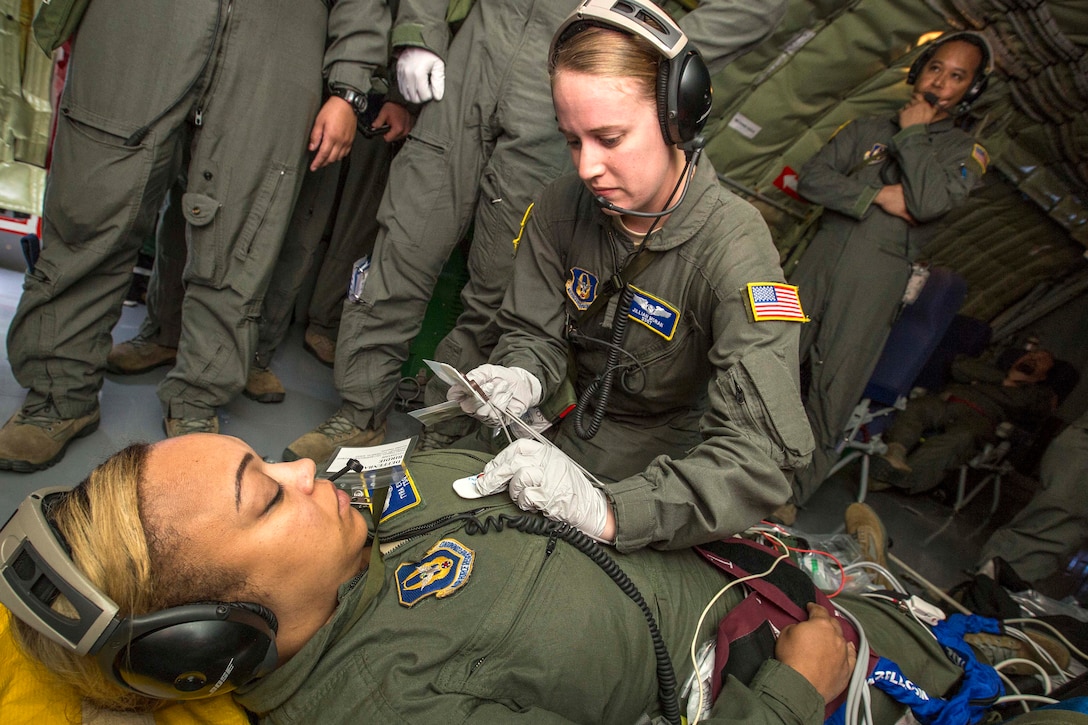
[181,653]
[684,93]
[982,73]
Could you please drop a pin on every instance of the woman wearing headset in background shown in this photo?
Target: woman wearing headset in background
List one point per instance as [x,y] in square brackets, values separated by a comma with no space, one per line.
[703,427]
[441,626]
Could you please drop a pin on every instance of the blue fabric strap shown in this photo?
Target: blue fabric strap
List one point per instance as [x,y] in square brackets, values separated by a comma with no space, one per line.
[978,690]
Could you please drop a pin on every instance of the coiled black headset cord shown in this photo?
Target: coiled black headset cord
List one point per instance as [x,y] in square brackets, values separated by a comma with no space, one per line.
[594,398]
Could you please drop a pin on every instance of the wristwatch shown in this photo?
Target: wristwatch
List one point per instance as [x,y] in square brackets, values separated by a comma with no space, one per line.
[355,99]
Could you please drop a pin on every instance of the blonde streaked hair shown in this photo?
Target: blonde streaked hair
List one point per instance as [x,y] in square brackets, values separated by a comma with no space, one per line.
[610,53]
[141,568]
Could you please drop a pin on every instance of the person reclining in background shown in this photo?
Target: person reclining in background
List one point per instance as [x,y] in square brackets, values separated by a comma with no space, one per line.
[442,624]
[965,415]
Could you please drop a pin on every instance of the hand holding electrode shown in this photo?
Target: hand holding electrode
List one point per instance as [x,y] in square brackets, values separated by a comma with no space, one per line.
[542,478]
[818,651]
[421,75]
[512,390]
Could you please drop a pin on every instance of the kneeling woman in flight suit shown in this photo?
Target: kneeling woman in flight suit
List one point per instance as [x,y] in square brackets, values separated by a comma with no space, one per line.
[659,294]
[454,614]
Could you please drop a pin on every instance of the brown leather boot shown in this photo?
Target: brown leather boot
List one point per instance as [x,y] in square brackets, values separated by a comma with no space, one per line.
[174,427]
[320,444]
[320,346]
[32,440]
[139,355]
[891,467]
[263,386]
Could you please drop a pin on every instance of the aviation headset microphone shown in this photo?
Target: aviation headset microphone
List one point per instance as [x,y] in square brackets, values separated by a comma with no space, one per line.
[684,94]
[180,653]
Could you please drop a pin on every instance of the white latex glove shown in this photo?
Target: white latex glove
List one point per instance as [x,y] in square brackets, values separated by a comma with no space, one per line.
[542,478]
[421,75]
[511,389]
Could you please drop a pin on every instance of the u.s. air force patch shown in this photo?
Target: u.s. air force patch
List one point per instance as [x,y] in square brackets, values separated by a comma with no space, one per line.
[443,571]
[876,154]
[655,313]
[582,287]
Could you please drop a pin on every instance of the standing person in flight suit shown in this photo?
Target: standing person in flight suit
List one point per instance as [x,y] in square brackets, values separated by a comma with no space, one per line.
[337,243]
[478,156]
[703,426]
[885,184]
[238,84]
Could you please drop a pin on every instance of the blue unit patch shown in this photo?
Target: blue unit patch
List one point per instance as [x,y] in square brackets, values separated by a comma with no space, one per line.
[582,287]
[876,154]
[402,496]
[444,570]
[656,314]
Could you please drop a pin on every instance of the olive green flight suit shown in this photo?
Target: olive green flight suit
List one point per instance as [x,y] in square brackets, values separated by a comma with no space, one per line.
[478,158]
[1042,536]
[237,83]
[855,270]
[704,427]
[961,419]
[531,630]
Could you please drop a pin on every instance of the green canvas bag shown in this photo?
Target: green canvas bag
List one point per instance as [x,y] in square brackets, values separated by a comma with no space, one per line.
[55,22]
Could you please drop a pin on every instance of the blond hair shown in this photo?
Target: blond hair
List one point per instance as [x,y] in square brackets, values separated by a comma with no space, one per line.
[141,568]
[610,53]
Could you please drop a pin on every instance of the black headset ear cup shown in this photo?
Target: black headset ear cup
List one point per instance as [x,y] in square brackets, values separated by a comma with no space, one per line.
[684,96]
[694,96]
[191,651]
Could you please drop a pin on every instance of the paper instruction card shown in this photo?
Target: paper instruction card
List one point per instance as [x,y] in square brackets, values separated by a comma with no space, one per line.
[373,458]
[451,375]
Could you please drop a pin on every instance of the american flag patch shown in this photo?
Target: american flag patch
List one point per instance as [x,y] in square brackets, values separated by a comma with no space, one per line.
[774,301]
[979,155]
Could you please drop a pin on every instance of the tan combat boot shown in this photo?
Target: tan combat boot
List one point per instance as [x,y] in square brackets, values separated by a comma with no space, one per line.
[263,386]
[1042,650]
[139,355]
[32,440]
[174,427]
[890,468]
[320,444]
[320,346]
[868,530]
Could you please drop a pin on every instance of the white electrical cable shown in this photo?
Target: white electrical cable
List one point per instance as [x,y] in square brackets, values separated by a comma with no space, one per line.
[857,694]
[1048,686]
[713,601]
[883,571]
[1026,698]
[1038,650]
[1012,686]
[1055,631]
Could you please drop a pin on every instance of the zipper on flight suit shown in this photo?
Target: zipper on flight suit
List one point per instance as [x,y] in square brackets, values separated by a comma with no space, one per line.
[198,115]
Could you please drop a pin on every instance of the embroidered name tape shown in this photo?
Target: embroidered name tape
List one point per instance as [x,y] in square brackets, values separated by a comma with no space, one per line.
[654,313]
[582,287]
[440,573]
[775,301]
